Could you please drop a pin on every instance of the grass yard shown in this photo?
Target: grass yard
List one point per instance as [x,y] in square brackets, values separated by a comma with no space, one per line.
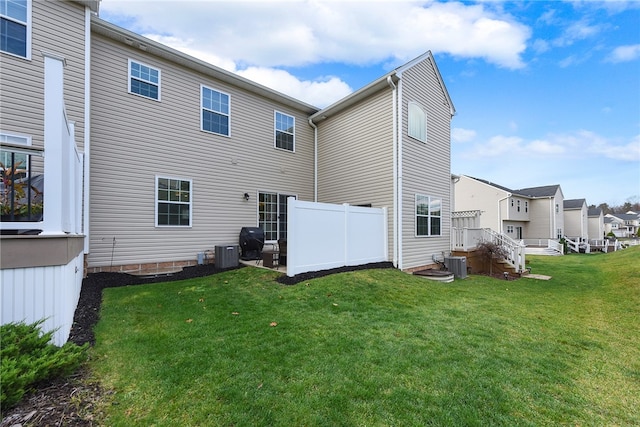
[377,348]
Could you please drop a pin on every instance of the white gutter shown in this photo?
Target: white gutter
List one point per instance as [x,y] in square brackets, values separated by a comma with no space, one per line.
[396,256]
[315,159]
[87,124]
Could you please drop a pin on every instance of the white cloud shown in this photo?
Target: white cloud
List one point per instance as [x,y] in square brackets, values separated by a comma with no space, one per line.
[294,33]
[257,39]
[320,92]
[581,144]
[625,53]
[462,135]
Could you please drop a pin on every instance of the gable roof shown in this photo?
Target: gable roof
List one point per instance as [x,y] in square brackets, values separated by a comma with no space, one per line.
[594,212]
[625,217]
[574,204]
[493,184]
[532,192]
[383,82]
[544,191]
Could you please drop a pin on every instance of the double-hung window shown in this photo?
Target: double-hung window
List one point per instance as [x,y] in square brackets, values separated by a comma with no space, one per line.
[15,27]
[285,131]
[417,122]
[144,80]
[428,216]
[173,202]
[215,111]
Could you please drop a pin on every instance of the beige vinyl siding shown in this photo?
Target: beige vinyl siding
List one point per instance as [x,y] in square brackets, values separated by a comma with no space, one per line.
[22,94]
[135,138]
[544,221]
[426,167]
[355,158]
[471,194]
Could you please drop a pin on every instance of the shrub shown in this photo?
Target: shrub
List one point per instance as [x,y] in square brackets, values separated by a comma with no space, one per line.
[489,251]
[27,357]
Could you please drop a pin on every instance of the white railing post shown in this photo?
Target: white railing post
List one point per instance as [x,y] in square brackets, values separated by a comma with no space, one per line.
[54,128]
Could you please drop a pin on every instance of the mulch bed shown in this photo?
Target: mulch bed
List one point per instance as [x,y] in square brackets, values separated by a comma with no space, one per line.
[75,401]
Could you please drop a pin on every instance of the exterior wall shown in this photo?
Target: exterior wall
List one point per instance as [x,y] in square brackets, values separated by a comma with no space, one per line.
[134,139]
[48,293]
[514,233]
[596,226]
[576,223]
[517,209]
[546,217]
[426,167]
[22,82]
[471,194]
[355,156]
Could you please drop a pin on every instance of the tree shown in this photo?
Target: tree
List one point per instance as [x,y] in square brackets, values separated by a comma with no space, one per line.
[489,251]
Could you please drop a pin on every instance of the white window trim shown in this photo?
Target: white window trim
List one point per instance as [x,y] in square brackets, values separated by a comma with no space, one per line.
[146,81]
[156,201]
[275,131]
[25,138]
[417,138]
[415,216]
[29,26]
[202,108]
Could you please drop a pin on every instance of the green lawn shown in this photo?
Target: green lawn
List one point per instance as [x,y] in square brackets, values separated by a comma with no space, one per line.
[377,348]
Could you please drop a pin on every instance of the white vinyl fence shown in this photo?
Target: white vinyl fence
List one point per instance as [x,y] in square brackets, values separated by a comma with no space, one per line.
[321,236]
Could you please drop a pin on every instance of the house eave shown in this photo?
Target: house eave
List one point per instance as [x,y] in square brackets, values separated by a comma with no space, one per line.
[94,5]
[355,97]
[130,38]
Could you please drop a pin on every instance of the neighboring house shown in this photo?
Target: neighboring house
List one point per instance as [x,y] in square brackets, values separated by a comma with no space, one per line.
[180,154]
[623,225]
[595,220]
[530,213]
[576,225]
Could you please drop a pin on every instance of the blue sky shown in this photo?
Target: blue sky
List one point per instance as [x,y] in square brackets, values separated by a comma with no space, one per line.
[546,92]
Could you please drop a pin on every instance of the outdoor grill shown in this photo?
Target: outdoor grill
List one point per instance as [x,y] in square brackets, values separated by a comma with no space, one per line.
[251,243]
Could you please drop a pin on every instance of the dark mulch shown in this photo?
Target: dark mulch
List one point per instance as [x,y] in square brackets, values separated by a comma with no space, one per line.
[76,401]
[286,280]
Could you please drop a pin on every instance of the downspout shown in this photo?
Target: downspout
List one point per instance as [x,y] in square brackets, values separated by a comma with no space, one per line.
[87,125]
[315,159]
[396,256]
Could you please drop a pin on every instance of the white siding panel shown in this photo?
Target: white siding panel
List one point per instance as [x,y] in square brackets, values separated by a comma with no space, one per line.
[37,293]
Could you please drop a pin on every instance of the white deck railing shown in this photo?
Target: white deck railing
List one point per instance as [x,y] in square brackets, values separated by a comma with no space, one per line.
[576,245]
[62,166]
[48,287]
[467,239]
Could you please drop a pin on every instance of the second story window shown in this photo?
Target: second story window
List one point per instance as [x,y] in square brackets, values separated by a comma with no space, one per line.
[285,131]
[15,27]
[144,80]
[417,122]
[215,111]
